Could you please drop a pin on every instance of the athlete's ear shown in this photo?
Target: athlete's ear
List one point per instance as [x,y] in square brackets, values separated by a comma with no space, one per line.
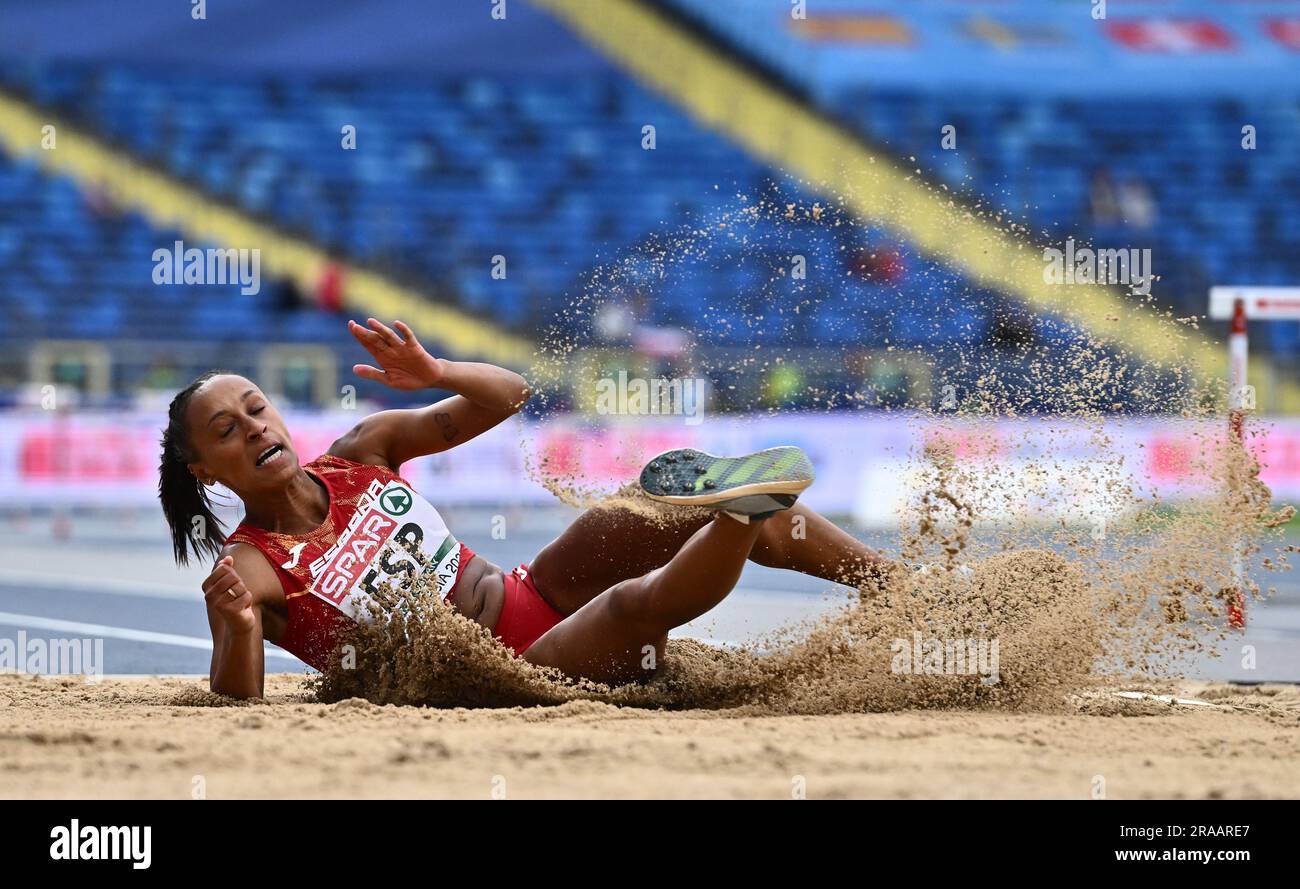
[200,472]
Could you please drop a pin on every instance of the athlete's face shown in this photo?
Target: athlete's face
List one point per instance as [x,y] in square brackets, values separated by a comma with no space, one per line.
[238,437]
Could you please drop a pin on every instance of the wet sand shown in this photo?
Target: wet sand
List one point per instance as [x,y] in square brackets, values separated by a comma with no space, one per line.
[157,737]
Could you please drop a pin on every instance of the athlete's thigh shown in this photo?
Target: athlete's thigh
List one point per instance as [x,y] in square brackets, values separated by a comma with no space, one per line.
[606,546]
[606,639]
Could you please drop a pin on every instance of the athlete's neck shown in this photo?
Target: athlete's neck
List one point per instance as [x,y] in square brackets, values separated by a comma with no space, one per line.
[298,508]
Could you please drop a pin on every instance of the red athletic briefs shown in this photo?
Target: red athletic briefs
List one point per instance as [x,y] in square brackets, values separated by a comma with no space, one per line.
[525,615]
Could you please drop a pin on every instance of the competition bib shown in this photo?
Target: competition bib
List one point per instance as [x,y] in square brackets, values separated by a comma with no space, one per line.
[394,537]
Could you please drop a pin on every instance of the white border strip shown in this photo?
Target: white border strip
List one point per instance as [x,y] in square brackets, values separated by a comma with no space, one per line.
[112,585]
[37,622]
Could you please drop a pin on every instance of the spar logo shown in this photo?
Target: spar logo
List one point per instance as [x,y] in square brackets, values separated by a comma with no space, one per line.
[396,501]
[354,557]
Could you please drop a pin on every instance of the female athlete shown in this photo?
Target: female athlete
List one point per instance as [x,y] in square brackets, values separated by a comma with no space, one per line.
[319,541]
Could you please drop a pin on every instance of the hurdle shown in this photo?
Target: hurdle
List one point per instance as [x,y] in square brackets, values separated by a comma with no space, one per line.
[1237,305]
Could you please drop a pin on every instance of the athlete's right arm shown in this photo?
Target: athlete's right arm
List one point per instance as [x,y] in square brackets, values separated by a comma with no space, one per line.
[235,617]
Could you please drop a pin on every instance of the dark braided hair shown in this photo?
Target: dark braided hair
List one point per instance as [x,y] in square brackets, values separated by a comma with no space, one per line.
[184,498]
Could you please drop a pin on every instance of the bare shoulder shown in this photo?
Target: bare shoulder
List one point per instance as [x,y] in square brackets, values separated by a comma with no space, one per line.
[255,570]
[363,443]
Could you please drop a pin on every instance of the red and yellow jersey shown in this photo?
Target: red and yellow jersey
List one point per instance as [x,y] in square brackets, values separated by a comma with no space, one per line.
[378,531]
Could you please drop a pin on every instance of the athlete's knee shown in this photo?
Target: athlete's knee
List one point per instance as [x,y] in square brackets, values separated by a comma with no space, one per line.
[631,605]
[543,574]
[772,548]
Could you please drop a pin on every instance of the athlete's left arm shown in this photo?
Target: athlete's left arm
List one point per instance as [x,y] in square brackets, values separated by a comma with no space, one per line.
[485,395]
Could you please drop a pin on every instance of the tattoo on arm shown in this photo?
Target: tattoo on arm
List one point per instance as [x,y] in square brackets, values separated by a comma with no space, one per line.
[449,430]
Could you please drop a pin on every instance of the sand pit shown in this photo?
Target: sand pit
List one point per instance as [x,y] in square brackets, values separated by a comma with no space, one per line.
[149,737]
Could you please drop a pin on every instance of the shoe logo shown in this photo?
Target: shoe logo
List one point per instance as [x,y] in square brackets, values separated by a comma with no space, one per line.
[295,552]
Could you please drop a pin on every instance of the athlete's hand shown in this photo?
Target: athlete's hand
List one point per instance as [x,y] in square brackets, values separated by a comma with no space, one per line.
[227,595]
[403,363]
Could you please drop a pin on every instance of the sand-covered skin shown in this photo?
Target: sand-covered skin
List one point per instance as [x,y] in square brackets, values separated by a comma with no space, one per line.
[151,737]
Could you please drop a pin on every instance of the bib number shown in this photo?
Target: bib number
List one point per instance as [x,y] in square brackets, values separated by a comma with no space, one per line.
[394,538]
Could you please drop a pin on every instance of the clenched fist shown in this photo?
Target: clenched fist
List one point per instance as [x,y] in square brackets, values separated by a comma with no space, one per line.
[227,595]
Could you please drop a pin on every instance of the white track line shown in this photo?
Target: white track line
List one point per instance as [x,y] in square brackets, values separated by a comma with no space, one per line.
[153,590]
[37,622]
[112,585]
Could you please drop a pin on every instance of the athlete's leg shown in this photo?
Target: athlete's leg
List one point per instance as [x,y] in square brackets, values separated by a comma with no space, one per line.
[607,545]
[801,539]
[620,634]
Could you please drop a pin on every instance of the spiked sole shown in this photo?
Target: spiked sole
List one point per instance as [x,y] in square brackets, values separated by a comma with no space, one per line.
[687,477]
